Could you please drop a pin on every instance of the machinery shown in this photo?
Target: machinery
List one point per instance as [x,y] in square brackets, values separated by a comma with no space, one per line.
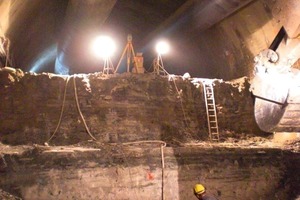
[136,59]
[276,85]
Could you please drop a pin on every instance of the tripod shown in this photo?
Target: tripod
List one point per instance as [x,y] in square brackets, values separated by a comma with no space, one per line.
[158,66]
[108,66]
[130,54]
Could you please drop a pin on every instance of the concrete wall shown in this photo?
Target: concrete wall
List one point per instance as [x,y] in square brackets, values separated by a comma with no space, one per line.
[227,49]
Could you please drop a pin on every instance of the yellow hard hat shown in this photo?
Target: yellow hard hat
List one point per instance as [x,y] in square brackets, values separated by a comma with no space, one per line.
[199,189]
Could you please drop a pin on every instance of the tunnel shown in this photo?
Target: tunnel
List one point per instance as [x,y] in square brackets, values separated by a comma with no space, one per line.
[152,99]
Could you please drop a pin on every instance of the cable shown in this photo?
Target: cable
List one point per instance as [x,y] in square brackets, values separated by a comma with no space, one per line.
[163,144]
[145,141]
[162,171]
[181,103]
[79,111]
[178,92]
[61,112]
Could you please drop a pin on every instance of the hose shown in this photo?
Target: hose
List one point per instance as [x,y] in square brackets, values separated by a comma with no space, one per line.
[61,112]
[163,144]
[178,92]
[162,171]
[79,111]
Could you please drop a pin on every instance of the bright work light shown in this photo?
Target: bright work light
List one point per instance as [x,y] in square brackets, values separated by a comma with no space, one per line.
[162,47]
[103,47]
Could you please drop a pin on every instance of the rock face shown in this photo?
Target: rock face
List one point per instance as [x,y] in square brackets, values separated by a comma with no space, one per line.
[129,115]
[135,172]
[118,108]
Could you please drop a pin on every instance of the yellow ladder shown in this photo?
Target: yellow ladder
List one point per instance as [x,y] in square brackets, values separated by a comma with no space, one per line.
[212,119]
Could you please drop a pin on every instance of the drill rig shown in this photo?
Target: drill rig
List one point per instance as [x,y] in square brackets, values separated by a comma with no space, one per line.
[276,83]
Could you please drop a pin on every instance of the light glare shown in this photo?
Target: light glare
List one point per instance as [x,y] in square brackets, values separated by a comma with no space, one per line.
[103,47]
[162,47]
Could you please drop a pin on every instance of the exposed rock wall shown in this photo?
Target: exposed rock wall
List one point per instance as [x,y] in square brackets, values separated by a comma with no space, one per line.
[127,172]
[118,108]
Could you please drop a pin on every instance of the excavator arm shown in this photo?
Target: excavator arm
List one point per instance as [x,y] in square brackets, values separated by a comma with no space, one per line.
[276,85]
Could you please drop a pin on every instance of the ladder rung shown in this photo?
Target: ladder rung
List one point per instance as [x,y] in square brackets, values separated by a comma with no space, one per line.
[211,111]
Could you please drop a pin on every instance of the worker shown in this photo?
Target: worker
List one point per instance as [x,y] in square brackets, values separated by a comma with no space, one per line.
[200,193]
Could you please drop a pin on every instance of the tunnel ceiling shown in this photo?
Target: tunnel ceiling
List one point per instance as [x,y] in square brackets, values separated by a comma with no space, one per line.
[44,32]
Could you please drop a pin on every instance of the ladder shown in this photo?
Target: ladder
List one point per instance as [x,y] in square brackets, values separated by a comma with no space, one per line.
[211,113]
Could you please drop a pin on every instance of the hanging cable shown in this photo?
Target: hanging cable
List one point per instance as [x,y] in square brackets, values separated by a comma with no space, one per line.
[179,94]
[162,171]
[181,103]
[79,111]
[163,144]
[61,112]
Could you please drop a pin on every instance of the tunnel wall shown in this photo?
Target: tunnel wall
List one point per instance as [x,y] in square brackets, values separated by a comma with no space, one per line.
[33,28]
[227,49]
[119,108]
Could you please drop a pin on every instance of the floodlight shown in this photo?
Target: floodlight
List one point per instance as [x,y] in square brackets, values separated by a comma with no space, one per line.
[103,47]
[162,47]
